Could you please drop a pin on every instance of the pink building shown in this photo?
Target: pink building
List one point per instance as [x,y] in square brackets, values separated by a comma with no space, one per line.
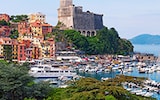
[5,31]
[5,17]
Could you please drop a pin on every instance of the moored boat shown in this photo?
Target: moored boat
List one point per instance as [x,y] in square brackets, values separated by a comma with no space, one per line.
[47,71]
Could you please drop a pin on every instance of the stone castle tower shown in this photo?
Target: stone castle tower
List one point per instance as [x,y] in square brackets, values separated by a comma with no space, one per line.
[65,3]
[65,13]
[73,17]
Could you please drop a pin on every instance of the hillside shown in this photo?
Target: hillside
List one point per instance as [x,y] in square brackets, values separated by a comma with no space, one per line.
[146,39]
[107,41]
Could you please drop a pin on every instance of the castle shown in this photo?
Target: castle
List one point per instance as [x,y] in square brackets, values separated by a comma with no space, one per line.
[73,17]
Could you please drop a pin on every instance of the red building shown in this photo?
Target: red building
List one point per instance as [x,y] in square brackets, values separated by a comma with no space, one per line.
[23,28]
[46,28]
[21,52]
[27,43]
[5,17]
[5,31]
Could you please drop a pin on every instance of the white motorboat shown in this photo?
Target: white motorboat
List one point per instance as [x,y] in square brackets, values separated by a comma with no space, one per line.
[148,94]
[48,71]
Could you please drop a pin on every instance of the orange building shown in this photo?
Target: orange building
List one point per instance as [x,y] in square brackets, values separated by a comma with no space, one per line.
[39,29]
[23,28]
[5,17]
[35,52]
[14,50]
[52,47]
[36,28]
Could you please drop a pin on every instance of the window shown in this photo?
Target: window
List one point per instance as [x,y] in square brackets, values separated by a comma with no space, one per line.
[20,55]
[21,47]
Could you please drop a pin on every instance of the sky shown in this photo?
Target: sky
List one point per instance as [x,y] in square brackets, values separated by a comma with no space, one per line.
[129,17]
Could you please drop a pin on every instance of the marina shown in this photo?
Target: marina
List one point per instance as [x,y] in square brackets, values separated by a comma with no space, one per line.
[58,72]
[151,85]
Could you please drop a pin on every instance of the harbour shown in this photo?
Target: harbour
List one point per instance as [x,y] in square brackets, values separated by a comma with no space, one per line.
[103,67]
[135,73]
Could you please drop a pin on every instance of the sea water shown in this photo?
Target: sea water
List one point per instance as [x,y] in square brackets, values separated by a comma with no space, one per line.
[153,49]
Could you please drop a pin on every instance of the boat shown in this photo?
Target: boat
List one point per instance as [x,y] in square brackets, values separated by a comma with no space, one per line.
[142,70]
[141,93]
[70,56]
[48,71]
[104,79]
[148,94]
[136,91]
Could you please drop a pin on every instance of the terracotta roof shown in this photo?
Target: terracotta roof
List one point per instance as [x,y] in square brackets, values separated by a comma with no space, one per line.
[7,39]
[46,24]
[36,24]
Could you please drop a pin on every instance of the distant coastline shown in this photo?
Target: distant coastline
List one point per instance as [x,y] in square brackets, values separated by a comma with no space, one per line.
[146,39]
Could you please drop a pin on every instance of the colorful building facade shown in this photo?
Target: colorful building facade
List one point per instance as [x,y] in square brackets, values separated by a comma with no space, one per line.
[23,28]
[5,17]
[37,16]
[5,31]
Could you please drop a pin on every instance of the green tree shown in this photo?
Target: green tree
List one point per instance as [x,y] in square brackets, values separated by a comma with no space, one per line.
[92,89]
[14,34]
[110,97]
[107,41]
[4,23]
[17,84]
[13,80]
[79,41]
[19,18]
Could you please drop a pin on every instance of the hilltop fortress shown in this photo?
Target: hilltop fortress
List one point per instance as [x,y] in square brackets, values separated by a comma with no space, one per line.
[73,17]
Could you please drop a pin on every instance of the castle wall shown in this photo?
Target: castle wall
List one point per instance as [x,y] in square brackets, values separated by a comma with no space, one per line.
[84,20]
[98,21]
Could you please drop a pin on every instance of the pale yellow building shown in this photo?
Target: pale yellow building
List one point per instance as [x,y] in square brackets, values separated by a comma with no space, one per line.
[37,16]
[36,28]
[45,50]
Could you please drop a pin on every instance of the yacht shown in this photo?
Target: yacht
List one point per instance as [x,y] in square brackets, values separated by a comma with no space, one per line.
[49,71]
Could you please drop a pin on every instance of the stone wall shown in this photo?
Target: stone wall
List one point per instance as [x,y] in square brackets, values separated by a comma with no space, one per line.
[98,21]
[87,23]
[84,20]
